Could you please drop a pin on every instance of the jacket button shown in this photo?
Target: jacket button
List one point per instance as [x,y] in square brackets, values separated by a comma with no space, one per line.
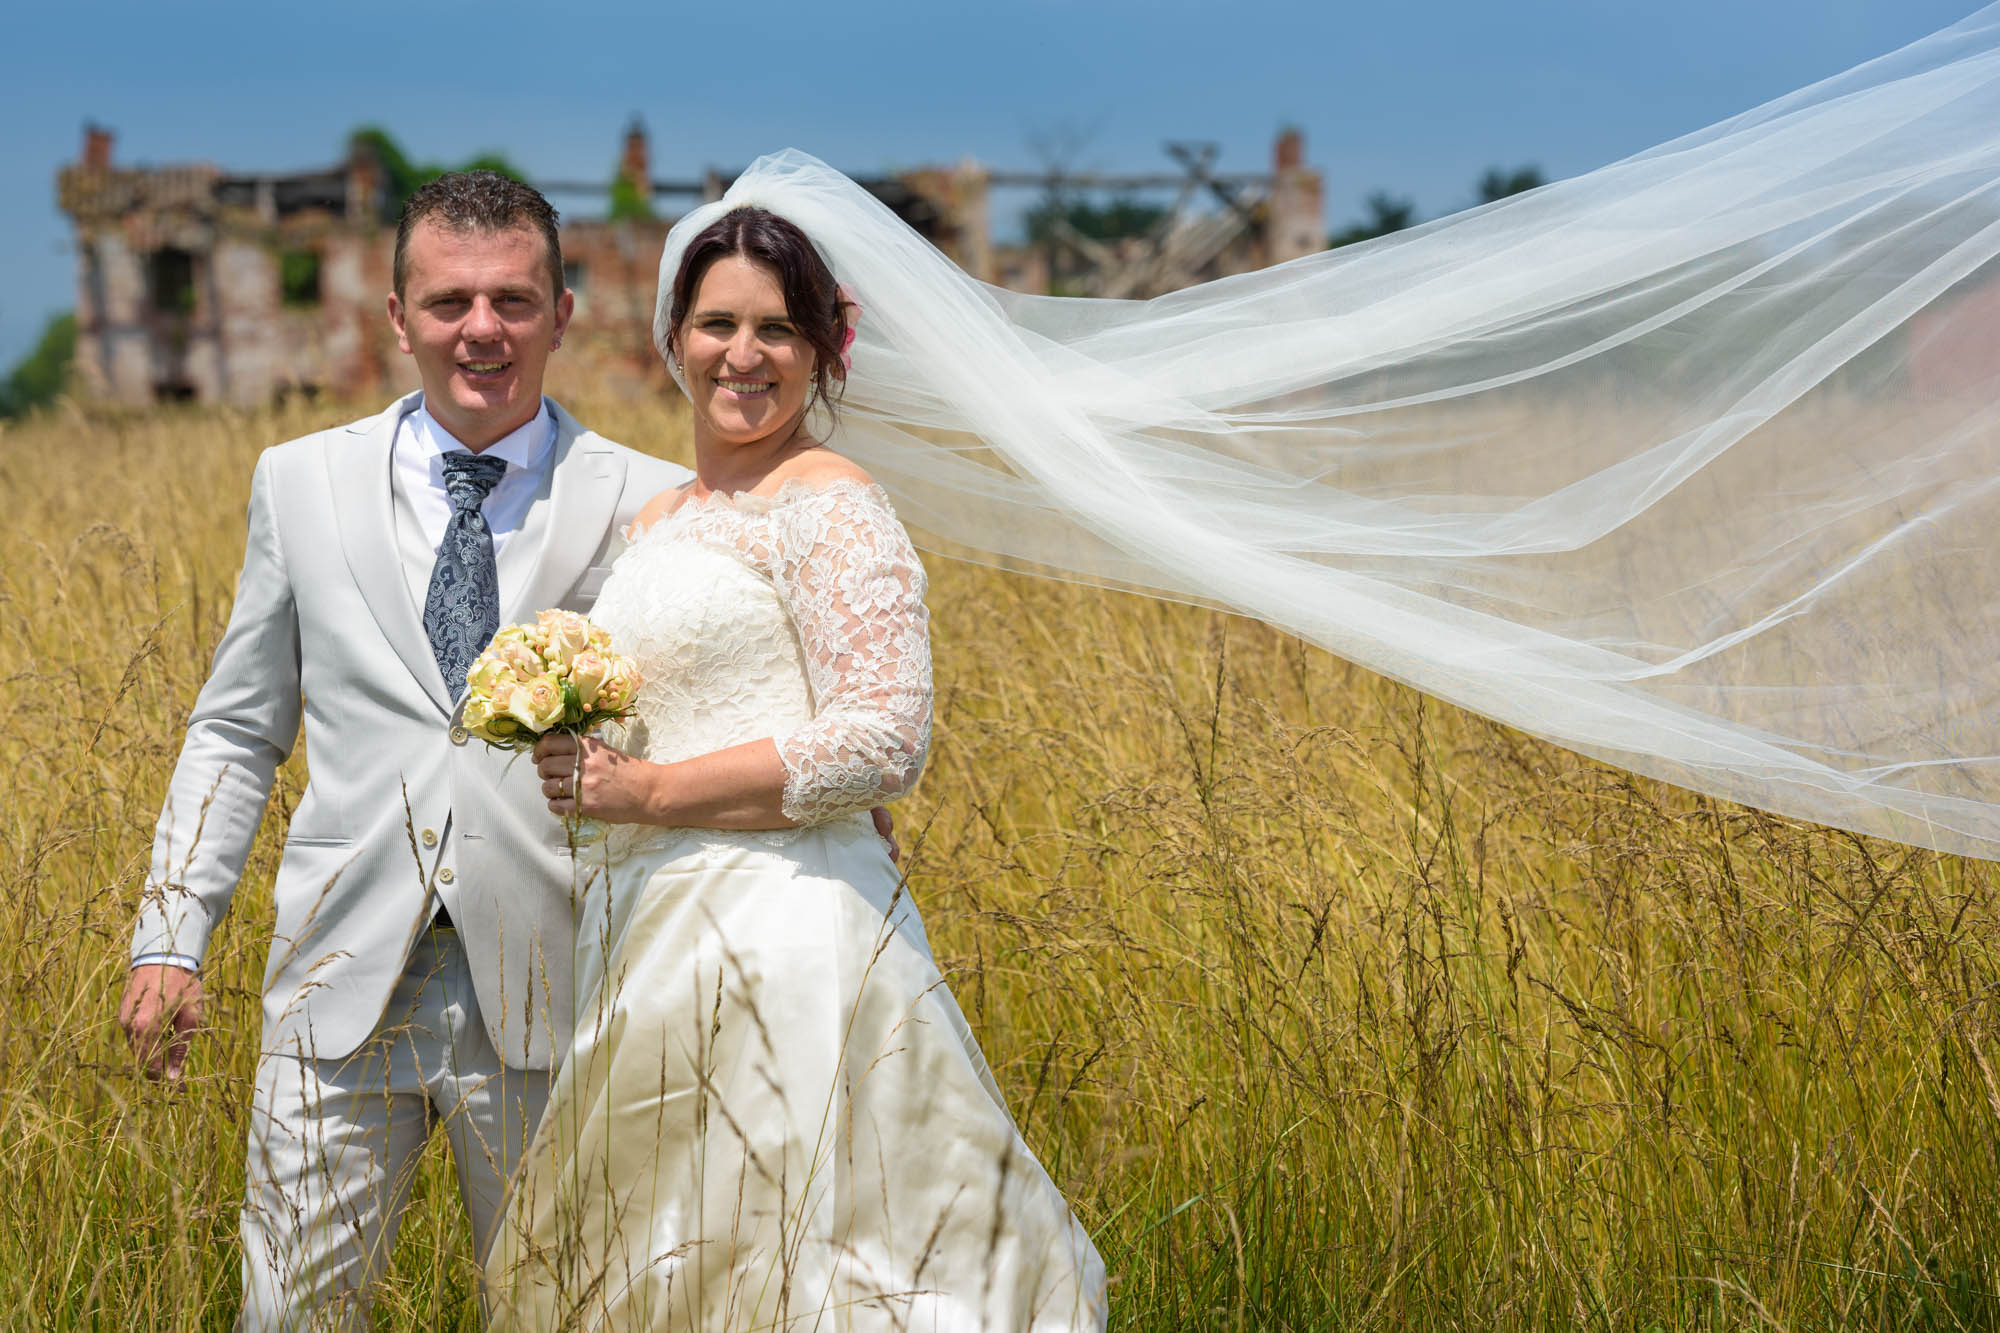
[459,735]
[430,837]
[445,876]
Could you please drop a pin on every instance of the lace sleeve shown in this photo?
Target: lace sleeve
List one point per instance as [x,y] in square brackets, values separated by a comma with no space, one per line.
[856,593]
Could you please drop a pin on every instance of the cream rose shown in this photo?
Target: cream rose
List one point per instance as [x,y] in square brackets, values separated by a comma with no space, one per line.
[489,673]
[621,683]
[564,635]
[520,660]
[587,673]
[477,713]
[537,704]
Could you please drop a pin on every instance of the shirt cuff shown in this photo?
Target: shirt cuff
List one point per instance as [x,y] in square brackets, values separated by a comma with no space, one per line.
[177,959]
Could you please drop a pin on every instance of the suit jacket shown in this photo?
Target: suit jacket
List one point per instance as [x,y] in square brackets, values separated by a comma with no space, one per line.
[400,811]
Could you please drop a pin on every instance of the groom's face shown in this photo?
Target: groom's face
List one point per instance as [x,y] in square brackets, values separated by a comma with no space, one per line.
[477,314]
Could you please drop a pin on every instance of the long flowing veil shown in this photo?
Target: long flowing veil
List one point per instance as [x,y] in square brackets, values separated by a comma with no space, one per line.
[1691,464]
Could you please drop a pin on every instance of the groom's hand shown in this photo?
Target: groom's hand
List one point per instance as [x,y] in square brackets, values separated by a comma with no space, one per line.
[160,1011]
[886,827]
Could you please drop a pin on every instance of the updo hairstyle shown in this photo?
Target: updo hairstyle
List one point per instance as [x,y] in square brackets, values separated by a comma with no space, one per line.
[812,298]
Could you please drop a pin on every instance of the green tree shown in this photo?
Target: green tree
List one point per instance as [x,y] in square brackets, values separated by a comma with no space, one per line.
[1498,183]
[298,277]
[404,177]
[486,162]
[43,373]
[1113,220]
[628,202]
[1386,213]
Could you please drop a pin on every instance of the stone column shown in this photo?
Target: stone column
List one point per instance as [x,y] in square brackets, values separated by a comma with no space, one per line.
[125,350]
[349,302]
[253,355]
[1297,224]
[92,373]
[975,224]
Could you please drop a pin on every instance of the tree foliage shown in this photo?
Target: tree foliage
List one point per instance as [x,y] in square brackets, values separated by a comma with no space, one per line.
[1114,220]
[1498,184]
[404,177]
[1386,213]
[44,372]
[298,277]
[628,202]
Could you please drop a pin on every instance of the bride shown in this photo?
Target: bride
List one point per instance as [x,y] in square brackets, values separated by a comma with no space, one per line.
[773,1114]
[1686,464]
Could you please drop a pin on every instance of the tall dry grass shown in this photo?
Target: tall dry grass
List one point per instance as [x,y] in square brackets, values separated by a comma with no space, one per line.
[1327,1006]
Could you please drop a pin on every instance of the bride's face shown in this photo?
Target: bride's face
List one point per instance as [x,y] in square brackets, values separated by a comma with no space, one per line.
[747,367]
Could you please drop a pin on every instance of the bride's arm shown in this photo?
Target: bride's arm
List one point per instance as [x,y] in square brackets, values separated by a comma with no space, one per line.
[855,590]
[737,788]
[856,594]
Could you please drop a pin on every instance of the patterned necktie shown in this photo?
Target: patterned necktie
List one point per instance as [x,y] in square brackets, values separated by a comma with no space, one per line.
[462,608]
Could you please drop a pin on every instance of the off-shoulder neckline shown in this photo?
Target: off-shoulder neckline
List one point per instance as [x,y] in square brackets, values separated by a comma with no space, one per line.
[791,491]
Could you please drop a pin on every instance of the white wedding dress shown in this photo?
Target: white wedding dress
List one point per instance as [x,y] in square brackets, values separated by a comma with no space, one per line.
[773,1115]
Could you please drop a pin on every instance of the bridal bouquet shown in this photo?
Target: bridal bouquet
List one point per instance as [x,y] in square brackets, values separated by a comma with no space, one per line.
[558,674]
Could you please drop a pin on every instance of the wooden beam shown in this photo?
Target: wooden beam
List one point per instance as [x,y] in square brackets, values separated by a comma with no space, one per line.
[1044,180]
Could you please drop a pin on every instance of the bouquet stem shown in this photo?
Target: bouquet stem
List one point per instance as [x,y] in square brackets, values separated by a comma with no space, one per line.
[583,830]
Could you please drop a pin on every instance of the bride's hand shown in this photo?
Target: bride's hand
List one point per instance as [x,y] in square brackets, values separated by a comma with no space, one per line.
[588,777]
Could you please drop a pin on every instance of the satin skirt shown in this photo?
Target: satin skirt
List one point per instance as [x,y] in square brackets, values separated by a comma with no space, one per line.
[774,1116]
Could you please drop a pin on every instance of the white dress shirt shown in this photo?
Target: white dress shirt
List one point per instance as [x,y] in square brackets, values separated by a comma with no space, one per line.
[421,444]
[417,474]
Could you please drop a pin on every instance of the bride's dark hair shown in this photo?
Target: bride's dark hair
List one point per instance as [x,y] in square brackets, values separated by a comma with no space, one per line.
[812,297]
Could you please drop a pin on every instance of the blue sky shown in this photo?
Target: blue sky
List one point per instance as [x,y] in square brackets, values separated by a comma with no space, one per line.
[1417,99]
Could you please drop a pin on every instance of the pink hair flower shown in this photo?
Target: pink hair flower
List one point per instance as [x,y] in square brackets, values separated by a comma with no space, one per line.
[850,314]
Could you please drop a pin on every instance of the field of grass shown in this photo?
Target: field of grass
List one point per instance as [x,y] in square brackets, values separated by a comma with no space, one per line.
[1328,1006]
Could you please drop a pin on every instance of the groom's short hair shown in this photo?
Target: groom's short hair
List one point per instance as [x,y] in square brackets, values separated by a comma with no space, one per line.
[479,201]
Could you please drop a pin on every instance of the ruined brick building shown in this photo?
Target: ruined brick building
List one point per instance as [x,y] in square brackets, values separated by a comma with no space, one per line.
[194,282]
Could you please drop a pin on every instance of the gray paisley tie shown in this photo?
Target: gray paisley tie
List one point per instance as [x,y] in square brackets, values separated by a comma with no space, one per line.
[462,608]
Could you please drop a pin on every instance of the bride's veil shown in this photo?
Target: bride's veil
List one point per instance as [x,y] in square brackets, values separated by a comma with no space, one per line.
[1691,464]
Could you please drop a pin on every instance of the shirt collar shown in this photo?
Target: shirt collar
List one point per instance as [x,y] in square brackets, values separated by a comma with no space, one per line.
[527,446]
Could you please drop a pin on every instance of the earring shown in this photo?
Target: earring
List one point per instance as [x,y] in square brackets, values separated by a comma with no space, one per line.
[557,344]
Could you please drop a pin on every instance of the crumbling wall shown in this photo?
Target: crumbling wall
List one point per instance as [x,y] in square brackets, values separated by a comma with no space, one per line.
[225,332]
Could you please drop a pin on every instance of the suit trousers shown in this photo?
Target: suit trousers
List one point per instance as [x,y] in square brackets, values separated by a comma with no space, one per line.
[335,1144]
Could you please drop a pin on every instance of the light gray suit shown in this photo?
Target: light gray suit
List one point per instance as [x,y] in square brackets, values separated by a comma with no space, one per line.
[400,813]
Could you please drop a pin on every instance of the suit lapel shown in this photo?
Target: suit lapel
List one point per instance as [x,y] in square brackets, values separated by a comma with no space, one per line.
[357,477]
[587,479]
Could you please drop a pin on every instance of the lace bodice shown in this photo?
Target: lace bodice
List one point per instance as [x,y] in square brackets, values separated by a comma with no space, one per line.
[798,617]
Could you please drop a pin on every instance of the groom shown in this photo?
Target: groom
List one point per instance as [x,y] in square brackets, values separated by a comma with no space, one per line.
[420,971]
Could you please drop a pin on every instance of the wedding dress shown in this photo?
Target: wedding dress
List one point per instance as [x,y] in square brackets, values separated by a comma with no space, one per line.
[773,1115]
